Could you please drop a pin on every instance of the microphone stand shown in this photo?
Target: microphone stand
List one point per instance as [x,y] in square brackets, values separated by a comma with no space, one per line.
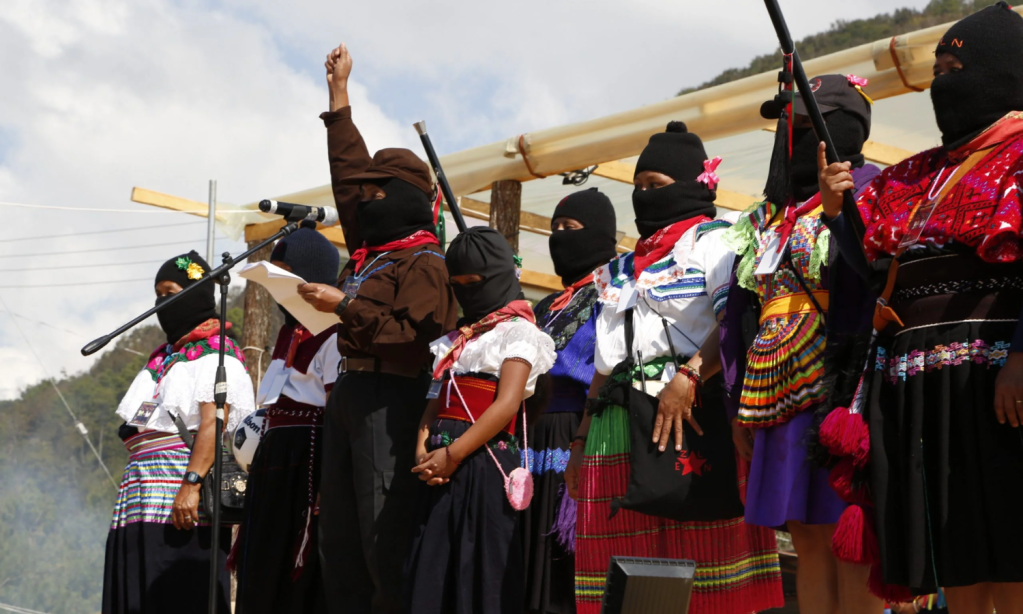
[222,277]
[788,47]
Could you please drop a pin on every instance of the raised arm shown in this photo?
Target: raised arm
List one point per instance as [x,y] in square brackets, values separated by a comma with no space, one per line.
[345,148]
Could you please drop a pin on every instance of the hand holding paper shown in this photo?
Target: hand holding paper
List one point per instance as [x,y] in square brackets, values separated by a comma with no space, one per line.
[283,287]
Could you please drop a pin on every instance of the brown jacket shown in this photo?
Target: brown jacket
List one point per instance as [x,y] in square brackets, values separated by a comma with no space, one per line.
[403,306]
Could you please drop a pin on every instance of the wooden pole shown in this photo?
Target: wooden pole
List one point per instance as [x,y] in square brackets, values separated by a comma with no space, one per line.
[259,306]
[505,210]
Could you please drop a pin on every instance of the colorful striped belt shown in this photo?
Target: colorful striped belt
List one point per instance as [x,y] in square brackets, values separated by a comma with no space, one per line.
[479,394]
[793,304]
[151,441]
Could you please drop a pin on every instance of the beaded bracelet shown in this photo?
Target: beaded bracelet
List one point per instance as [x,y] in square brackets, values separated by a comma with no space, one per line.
[691,373]
[447,452]
[578,439]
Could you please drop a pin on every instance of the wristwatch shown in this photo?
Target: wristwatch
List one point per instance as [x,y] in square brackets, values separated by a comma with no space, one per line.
[342,305]
[193,478]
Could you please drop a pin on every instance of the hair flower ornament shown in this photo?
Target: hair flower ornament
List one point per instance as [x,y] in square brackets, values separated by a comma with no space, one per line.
[709,175]
[859,83]
[192,269]
[518,266]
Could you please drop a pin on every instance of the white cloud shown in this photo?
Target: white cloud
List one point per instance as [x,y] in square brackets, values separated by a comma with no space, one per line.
[103,95]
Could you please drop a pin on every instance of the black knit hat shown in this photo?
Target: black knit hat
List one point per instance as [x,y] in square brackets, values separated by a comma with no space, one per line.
[989,44]
[832,93]
[186,313]
[309,254]
[676,152]
[576,253]
[680,155]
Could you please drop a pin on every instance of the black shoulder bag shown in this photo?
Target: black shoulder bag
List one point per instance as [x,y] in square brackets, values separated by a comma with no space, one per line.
[700,483]
[232,487]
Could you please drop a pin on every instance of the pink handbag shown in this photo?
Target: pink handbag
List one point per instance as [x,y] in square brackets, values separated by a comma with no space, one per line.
[518,485]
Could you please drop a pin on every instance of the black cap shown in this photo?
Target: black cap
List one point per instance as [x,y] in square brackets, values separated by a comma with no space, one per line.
[833,92]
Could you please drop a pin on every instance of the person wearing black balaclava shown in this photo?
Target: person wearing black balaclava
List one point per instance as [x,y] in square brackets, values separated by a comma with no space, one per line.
[158,547]
[392,298]
[673,287]
[583,238]
[942,400]
[276,564]
[466,556]
[776,383]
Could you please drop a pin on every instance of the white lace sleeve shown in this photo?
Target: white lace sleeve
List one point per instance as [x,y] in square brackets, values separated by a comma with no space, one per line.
[523,340]
[140,391]
[185,390]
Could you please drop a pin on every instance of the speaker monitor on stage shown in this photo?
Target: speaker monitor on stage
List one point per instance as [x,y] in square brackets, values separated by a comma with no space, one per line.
[648,586]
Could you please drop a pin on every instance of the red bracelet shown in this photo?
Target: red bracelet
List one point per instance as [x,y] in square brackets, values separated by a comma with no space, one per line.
[447,451]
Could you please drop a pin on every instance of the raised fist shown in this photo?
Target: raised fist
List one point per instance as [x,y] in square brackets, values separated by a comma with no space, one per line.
[338,65]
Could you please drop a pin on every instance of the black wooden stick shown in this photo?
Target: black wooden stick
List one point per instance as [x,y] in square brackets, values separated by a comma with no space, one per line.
[442,180]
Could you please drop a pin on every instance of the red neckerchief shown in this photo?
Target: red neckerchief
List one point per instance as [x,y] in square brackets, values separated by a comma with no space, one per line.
[793,213]
[566,295]
[511,311]
[417,238]
[207,329]
[999,132]
[657,246]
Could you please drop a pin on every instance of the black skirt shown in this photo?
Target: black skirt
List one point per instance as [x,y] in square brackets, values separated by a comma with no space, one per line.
[277,562]
[550,570]
[466,556]
[946,477]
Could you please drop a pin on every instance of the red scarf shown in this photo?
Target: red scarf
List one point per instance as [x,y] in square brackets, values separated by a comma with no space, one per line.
[511,311]
[793,213]
[657,245]
[566,295]
[416,239]
[207,329]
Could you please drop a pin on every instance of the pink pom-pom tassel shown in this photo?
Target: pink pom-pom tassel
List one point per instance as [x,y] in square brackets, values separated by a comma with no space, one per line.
[846,434]
[854,540]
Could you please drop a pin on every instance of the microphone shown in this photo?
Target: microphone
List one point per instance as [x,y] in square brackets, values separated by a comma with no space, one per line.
[296,213]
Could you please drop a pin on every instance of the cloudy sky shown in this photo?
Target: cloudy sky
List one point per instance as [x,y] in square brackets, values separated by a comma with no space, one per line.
[103,95]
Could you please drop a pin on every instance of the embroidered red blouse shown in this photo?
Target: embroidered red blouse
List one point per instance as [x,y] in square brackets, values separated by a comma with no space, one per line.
[982,210]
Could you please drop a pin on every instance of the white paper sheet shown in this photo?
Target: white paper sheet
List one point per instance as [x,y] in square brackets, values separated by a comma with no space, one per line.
[283,286]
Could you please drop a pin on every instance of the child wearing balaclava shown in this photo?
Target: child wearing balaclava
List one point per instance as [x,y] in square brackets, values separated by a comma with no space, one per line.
[470,437]
[792,294]
[275,556]
[671,290]
[583,239]
[160,536]
[933,438]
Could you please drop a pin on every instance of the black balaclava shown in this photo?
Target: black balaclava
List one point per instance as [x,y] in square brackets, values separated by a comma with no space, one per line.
[989,43]
[483,251]
[847,132]
[200,305]
[310,255]
[679,155]
[576,253]
[404,210]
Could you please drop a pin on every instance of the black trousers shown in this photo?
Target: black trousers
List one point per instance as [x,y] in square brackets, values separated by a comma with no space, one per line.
[368,492]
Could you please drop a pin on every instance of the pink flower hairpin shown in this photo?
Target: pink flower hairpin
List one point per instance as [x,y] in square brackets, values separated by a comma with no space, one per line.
[710,176]
[859,83]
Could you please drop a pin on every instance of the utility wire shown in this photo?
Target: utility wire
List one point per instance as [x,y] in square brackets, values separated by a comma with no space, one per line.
[109,249]
[17,610]
[99,232]
[70,332]
[79,266]
[78,423]
[77,283]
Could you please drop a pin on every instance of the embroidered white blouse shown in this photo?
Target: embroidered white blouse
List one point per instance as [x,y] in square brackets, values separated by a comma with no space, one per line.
[185,387]
[486,353]
[311,388]
[688,288]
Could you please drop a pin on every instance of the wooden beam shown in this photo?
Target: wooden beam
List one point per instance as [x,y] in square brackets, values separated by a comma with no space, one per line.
[506,209]
[625,171]
[534,279]
[888,155]
[166,201]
